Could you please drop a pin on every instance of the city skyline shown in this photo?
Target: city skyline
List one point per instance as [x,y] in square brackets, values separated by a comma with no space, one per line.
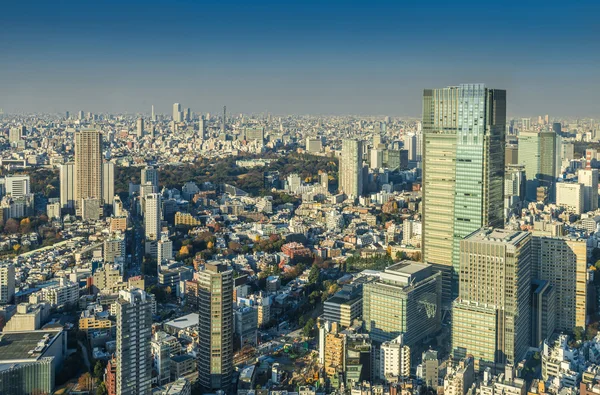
[295,58]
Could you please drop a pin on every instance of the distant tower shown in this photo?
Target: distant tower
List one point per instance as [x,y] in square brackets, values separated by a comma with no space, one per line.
[140,128]
[202,128]
[153,116]
[177,114]
[88,166]
[152,216]
[351,181]
[223,126]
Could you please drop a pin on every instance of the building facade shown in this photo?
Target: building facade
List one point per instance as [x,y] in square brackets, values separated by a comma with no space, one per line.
[463,172]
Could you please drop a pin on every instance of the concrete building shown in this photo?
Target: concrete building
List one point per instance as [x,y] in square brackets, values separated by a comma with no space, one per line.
[552,257]
[543,311]
[67,186]
[114,248]
[313,145]
[589,179]
[61,295]
[351,164]
[394,360]
[17,186]
[404,299]
[29,360]
[492,315]
[134,332]
[29,317]
[152,216]
[463,172]
[570,196]
[246,326]
[459,377]
[7,283]
[164,249]
[108,183]
[161,356]
[177,113]
[537,154]
[344,306]
[149,175]
[430,366]
[88,166]
[215,357]
[140,128]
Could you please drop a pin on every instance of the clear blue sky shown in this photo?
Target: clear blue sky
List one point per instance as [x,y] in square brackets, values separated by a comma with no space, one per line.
[320,57]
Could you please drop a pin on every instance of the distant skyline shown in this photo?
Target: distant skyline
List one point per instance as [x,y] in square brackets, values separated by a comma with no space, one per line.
[309,57]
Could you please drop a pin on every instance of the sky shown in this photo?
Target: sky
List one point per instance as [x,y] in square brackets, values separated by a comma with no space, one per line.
[296,57]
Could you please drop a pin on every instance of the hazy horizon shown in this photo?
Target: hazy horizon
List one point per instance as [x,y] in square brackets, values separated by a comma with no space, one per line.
[297,58]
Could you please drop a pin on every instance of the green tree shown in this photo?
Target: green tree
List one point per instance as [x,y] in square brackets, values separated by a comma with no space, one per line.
[313,275]
[101,390]
[98,370]
[308,327]
[578,333]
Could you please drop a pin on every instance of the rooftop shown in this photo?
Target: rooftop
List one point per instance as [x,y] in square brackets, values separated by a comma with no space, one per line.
[184,322]
[23,346]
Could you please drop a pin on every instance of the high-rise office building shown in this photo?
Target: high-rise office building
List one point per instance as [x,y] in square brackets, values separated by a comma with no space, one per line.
[17,186]
[202,128]
[563,262]
[570,195]
[16,134]
[215,329]
[140,128]
[108,183]
[589,179]
[177,114]
[67,186]
[255,134]
[410,144]
[351,165]
[152,216]
[149,175]
[7,283]
[491,317]
[152,115]
[134,332]
[88,166]
[463,172]
[404,300]
[376,158]
[537,153]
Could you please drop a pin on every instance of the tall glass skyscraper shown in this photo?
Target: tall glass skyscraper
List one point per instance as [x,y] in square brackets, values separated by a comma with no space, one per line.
[463,171]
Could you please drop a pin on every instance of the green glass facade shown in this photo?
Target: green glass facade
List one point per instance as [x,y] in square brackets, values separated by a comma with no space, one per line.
[463,171]
[28,378]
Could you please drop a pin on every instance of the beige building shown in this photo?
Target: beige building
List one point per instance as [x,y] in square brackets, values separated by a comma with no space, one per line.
[215,356]
[107,277]
[570,196]
[563,262]
[334,351]
[89,321]
[351,164]
[491,317]
[459,377]
[28,317]
[88,166]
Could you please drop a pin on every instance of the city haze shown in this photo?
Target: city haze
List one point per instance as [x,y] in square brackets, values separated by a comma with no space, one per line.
[309,57]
